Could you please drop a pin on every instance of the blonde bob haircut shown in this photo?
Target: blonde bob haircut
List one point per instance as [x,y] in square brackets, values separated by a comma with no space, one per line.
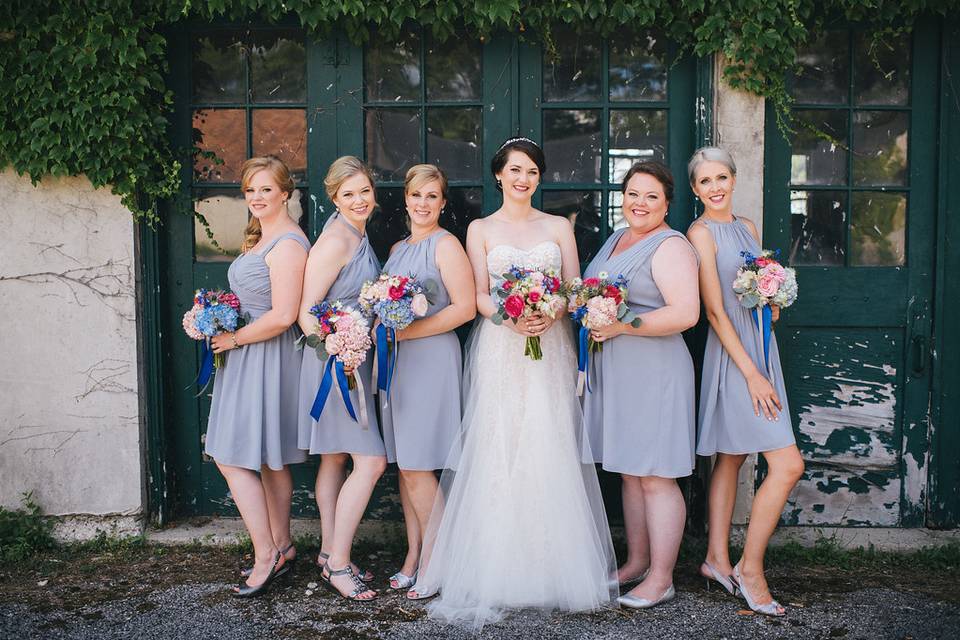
[341,170]
[280,173]
[710,154]
[421,174]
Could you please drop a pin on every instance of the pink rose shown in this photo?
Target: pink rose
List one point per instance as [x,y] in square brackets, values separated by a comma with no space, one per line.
[534,296]
[591,282]
[513,305]
[419,305]
[767,286]
[775,270]
[396,292]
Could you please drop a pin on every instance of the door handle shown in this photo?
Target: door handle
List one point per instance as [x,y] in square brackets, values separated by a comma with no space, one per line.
[920,354]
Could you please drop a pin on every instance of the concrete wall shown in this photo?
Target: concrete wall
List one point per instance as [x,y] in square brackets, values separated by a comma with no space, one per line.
[69,413]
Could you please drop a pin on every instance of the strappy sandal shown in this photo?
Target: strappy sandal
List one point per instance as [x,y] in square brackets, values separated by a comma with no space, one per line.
[244,590]
[413,594]
[402,580]
[727,582]
[286,568]
[363,574]
[772,608]
[359,587]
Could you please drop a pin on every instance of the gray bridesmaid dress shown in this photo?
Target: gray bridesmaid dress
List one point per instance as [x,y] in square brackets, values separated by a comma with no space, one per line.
[336,431]
[639,418]
[727,421]
[253,416]
[422,416]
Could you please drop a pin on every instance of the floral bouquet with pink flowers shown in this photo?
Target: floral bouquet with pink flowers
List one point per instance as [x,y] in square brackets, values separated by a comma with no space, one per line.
[595,303]
[343,333]
[761,282]
[396,301]
[213,312]
[524,292]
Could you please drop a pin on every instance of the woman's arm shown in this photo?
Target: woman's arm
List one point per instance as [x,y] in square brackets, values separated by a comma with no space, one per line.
[286,264]
[327,258]
[458,279]
[477,255]
[761,391]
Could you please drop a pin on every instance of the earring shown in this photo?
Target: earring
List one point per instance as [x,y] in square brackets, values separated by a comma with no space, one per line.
[499,183]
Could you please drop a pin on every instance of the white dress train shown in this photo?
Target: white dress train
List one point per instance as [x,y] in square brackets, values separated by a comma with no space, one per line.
[519,521]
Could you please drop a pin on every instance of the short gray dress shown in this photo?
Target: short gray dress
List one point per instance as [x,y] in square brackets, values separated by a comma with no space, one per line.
[336,431]
[253,416]
[422,416]
[727,421]
[639,418]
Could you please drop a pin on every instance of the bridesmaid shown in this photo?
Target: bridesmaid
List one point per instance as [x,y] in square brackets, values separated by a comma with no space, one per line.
[339,263]
[639,417]
[252,430]
[421,418]
[743,403]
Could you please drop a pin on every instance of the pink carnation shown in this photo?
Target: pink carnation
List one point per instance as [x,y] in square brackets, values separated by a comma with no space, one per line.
[601,312]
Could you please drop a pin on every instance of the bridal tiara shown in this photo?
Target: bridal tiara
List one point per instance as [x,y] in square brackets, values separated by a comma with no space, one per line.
[518,139]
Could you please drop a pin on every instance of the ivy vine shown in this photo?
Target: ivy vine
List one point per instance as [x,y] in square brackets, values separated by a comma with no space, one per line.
[83,88]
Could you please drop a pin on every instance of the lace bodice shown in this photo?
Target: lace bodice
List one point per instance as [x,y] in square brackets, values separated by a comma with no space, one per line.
[543,255]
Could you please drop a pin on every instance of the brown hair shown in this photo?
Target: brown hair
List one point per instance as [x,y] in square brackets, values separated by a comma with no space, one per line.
[341,170]
[281,174]
[420,174]
[524,145]
[655,169]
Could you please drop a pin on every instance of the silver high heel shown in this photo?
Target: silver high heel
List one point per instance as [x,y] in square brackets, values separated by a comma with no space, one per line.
[403,580]
[634,602]
[772,608]
[725,581]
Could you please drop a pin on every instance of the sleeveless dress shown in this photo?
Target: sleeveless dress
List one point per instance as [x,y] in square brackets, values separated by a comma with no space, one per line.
[421,419]
[253,416]
[521,522]
[639,417]
[727,421]
[336,431]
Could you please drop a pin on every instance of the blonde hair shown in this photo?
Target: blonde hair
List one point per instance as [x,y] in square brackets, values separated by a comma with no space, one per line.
[342,169]
[280,172]
[710,154]
[420,174]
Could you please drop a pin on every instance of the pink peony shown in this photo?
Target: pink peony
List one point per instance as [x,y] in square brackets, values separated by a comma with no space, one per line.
[767,286]
[419,305]
[513,306]
[775,270]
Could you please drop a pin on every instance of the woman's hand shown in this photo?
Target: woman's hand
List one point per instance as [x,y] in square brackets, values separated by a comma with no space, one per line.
[774,313]
[610,331]
[533,325]
[763,396]
[224,342]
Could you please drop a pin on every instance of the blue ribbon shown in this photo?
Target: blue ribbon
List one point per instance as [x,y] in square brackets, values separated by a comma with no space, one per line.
[206,363]
[326,383]
[386,358]
[765,326]
[583,355]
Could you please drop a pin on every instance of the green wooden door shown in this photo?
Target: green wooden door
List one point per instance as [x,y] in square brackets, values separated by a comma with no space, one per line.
[850,200]
[271,90]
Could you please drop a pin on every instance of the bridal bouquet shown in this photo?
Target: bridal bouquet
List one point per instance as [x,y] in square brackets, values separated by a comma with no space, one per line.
[213,312]
[523,292]
[343,333]
[761,282]
[396,301]
[595,303]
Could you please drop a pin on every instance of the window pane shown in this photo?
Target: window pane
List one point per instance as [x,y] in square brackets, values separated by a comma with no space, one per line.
[278,67]
[391,71]
[582,209]
[283,133]
[218,68]
[463,207]
[878,225]
[393,141]
[880,147]
[824,75]
[574,74]
[453,141]
[638,69]
[389,222]
[816,159]
[453,70]
[881,74]
[572,143]
[638,134]
[220,135]
[225,210]
[615,212]
[817,220]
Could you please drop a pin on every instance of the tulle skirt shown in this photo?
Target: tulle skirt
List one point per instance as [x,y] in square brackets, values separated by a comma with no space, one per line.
[519,521]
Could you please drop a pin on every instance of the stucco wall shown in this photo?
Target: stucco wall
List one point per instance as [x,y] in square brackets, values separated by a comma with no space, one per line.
[69,415]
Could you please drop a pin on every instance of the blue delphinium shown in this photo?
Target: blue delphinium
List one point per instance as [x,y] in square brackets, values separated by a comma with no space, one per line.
[394,314]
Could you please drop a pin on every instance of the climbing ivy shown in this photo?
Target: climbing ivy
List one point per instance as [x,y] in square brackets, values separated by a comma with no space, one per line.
[83,89]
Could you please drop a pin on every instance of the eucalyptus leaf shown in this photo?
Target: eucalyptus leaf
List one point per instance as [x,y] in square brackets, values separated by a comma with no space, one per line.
[496,319]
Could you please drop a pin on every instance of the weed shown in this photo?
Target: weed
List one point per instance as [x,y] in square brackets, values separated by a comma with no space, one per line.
[24,532]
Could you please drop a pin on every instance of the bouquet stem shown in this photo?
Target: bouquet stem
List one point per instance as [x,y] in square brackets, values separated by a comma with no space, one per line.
[351,382]
[218,360]
[532,348]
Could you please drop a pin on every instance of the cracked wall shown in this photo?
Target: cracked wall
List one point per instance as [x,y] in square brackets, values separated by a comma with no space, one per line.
[69,414]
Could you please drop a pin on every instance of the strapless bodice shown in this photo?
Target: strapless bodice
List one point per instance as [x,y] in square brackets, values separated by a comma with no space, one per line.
[541,257]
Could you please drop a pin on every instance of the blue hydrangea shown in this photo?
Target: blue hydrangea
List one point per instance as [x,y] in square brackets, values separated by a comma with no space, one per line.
[395,314]
[216,319]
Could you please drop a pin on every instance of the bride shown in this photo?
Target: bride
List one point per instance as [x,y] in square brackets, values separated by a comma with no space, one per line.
[523,523]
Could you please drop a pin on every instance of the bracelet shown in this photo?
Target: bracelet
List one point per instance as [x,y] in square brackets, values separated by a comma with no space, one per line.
[233,336]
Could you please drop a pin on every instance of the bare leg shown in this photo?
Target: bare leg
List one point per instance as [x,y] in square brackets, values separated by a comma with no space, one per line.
[723,495]
[635,523]
[421,489]
[278,487]
[251,501]
[785,467]
[330,478]
[413,533]
[666,515]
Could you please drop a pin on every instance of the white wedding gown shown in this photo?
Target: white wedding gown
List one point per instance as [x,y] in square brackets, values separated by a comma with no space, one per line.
[520,523]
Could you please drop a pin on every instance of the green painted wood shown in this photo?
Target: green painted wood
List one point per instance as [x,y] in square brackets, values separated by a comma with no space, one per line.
[499,111]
